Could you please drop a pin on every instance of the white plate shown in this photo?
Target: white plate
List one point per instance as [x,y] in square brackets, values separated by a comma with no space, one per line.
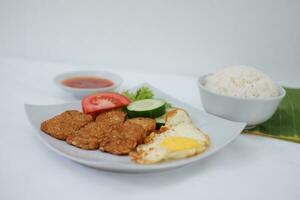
[220,131]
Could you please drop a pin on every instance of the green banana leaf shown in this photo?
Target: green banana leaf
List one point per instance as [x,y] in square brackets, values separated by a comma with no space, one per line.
[285,123]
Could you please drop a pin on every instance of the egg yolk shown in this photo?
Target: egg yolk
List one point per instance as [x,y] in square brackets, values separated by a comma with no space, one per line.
[178,143]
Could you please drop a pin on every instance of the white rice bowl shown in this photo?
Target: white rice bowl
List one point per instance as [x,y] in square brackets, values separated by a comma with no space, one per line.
[241,81]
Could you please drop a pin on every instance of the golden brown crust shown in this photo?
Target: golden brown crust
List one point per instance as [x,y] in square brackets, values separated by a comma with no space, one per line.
[150,137]
[148,124]
[114,138]
[111,117]
[122,139]
[65,124]
[134,156]
[88,137]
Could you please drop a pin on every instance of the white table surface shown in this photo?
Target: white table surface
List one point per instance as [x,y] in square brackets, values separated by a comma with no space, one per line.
[251,167]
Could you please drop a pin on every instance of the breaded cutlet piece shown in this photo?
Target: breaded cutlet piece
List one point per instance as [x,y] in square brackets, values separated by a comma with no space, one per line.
[148,124]
[116,138]
[65,124]
[111,117]
[89,137]
[122,139]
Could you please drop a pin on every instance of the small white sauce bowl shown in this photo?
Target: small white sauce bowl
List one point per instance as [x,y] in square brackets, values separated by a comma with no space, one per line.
[251,111]
[81,92]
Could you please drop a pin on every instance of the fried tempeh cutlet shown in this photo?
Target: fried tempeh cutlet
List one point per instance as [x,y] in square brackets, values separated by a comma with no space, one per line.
[65,124]
[123,139]
[108,133]
[115,139]
[111,117]
[88,137]
[148,124]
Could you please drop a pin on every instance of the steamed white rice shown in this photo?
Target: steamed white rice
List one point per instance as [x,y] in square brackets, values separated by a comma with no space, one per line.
[241,81]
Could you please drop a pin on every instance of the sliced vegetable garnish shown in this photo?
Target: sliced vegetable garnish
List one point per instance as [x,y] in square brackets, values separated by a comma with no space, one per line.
[147,108]
[103,101]
[141,93]
[160,121]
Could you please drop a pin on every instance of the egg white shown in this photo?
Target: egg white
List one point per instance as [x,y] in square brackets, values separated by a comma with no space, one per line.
[179,125]
[177,116]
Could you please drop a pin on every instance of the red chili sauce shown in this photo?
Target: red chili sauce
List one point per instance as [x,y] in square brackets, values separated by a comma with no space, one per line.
[87,82]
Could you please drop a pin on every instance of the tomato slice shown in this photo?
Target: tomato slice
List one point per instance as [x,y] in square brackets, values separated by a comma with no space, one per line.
[103,101]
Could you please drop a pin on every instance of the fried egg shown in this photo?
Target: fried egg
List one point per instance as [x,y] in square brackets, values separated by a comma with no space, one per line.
[177,116]
[180,139]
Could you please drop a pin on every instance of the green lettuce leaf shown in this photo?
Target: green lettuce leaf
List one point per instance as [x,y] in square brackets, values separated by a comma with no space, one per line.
[142,93]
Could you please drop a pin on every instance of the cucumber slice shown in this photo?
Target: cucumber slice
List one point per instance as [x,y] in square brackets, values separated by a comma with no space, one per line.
[160,121]
[147,108]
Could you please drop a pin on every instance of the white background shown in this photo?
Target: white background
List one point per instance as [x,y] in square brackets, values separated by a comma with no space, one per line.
[166,39]
[186,36]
